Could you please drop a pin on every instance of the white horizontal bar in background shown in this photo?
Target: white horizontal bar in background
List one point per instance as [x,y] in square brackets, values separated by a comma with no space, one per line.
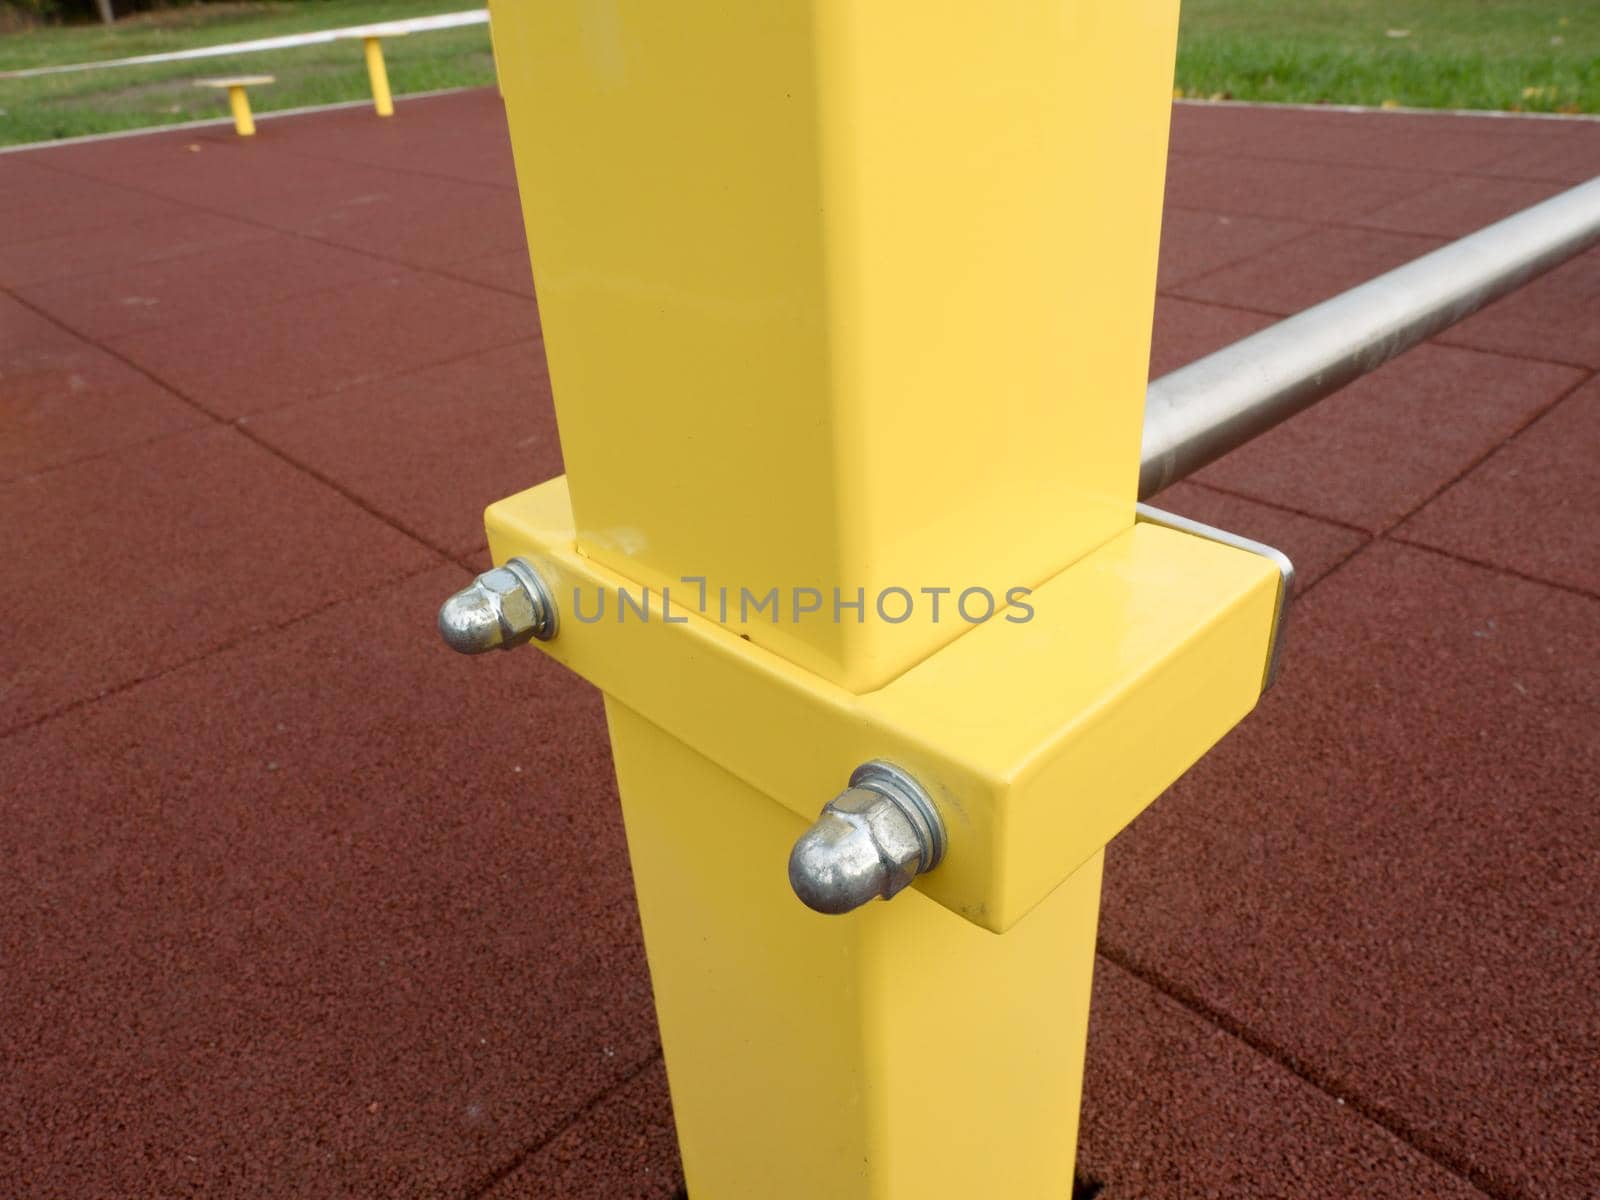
[477,16]
[271,114]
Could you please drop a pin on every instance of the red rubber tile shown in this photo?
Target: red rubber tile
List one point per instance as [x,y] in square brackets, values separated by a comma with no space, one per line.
[453,136]
[1173,1108]
[473,151]
[1308,270]
[64,399]
[1533,507]
[86,210]
[397,214]
[400,444]
[190,165]
[306,346]
[1290,191]
[1387,876]
[1418,141]
[224,280]
[1315,547]
[1371,454]
[27,183]
[507,270]
[92,251]
[1185,331]
[127,565]
[1194,243]
[259,181]
[1554,317]
[1570,154]
[24,331]
[291,922]
[417,220]
[625,1148]
[1460,205]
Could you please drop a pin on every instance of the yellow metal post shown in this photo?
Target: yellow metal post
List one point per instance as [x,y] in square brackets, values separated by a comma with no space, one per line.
[847,308]
[243,123]
[238,99]
[896,1052]
[382,101]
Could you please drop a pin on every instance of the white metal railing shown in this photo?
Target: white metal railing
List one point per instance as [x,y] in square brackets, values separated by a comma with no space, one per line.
[477,16]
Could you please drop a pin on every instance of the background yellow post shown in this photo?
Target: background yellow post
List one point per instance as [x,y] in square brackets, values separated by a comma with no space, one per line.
[848,296]
[382,101]
[243,123]
[238,99]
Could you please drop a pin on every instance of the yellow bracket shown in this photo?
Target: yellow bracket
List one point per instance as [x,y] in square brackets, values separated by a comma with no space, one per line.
[1038,739]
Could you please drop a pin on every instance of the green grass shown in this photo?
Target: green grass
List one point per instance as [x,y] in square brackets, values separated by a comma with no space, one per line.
[55,106]
[1519,55]
[1533,55]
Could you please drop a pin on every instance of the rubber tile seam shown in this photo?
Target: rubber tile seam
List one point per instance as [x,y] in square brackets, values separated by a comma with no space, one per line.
[387,377]
[29,476]
[380,269]
[244,219]
[1173,292]
[1438,173]
[1438,1155]
[1279,505]
[492,287]
[111,224]
[359,501]
[501,1173]
[1428,499]
[1537,416]
[1430,178]
[466,565]
[90,274]
[314,157]
[240,425]
[231,643]
[1496,568]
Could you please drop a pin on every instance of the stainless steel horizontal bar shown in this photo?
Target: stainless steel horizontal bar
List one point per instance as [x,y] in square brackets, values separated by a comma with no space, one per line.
[1199,412]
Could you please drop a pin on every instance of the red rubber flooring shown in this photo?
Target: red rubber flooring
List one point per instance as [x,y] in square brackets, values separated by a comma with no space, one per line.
[294,902]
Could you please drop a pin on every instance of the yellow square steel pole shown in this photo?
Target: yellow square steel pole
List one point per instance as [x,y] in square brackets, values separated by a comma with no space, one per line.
[847,308]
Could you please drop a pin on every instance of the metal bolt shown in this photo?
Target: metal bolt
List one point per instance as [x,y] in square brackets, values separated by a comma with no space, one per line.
[870,841]
[500,609]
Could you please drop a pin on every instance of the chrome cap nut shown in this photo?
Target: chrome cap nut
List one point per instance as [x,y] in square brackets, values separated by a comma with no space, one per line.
[499,610]
[869,843]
